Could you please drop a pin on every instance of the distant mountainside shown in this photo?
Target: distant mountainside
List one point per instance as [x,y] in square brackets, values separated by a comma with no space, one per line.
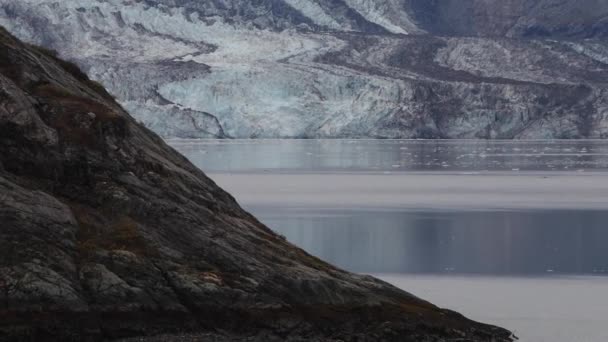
[511,69]
[106,232]
[556,19]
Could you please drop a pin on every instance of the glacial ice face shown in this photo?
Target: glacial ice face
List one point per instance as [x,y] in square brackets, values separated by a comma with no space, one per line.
[316,68]
[281,100]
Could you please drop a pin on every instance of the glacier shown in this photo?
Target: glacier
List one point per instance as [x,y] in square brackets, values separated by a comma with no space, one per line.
[330,69]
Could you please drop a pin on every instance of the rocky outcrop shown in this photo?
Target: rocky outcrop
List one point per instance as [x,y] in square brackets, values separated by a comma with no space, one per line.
[512,69]
[512,18]
[106,232]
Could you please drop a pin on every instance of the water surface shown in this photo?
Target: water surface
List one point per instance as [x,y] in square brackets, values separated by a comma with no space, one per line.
[507,232]
[534,242]
[394,155]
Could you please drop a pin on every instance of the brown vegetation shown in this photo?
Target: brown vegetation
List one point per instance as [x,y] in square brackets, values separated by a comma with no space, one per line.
[120,234]
[78,118]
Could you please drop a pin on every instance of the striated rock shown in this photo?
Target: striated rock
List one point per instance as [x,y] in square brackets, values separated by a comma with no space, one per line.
[108,233]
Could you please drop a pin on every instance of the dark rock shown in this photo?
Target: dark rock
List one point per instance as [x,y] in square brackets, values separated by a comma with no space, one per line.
[106,232]
[513,18]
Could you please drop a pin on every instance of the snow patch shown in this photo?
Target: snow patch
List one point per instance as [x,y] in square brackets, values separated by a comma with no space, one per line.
[312,10]
[389,14]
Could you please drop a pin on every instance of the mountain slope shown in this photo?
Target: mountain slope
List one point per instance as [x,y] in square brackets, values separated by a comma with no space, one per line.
[338,68]
[106,232]
[513,18]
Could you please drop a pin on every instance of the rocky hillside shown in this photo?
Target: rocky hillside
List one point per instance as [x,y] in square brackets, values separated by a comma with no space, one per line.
[511,69]
[106,232]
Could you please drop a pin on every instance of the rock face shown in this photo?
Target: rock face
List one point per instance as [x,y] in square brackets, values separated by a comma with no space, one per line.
[511,69]
[513,18]
[106,232]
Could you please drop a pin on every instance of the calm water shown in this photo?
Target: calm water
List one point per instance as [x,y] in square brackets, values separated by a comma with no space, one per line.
[436,242]
[394,155]
[511,233]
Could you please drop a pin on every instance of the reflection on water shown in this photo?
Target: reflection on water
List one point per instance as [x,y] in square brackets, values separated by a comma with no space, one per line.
[393,155]
[483,242]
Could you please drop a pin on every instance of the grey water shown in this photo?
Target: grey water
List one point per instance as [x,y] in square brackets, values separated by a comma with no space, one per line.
[377,239]
[507,232]
[532,242]
[394,155]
